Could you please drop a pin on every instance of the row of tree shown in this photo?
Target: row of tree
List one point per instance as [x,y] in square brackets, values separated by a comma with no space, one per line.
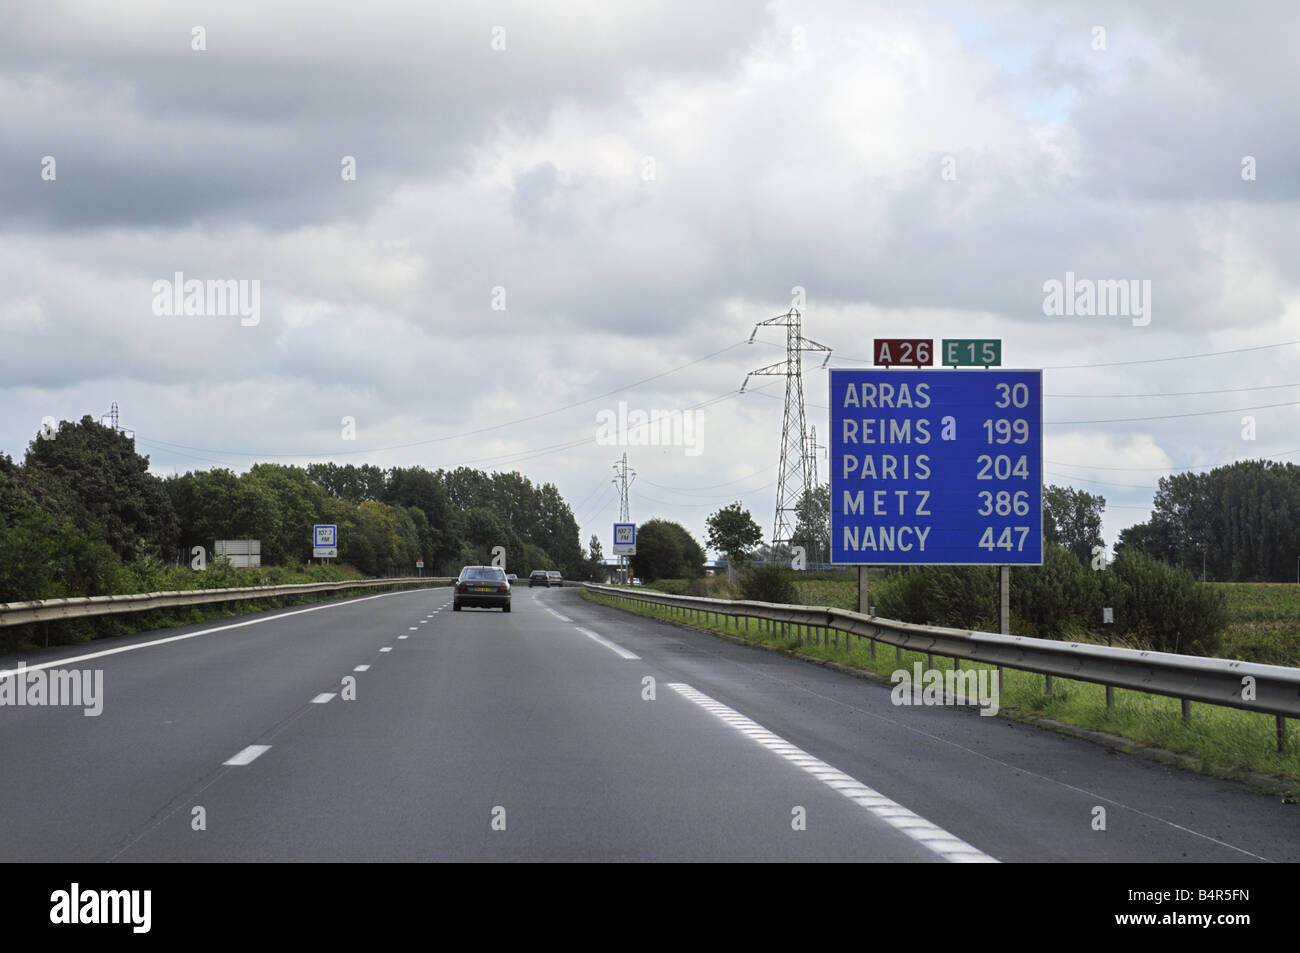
[469,514]
[1240,523]
[83,504]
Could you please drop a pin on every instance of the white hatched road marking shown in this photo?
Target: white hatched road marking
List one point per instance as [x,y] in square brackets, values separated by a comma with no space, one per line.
[248,755]
[891,812]
[624,653]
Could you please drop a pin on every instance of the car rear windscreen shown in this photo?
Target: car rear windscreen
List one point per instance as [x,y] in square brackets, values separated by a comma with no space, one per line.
[484,572]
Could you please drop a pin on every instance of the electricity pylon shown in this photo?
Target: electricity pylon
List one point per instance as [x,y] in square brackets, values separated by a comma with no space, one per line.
[793,481]
[112,416]
[813,447]
[622,481]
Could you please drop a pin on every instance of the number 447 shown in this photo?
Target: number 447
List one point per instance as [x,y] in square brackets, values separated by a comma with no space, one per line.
[1004,541]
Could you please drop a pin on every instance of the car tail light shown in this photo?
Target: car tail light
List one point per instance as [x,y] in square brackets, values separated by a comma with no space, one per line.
[503,589]
[463,589]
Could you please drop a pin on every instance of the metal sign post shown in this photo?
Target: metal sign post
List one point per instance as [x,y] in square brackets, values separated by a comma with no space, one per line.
[625,546]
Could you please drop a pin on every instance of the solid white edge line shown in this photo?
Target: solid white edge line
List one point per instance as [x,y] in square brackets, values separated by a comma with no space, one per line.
[928,835]
[248,755]
[322,698]
[622,652]
[5,673]
[562,618]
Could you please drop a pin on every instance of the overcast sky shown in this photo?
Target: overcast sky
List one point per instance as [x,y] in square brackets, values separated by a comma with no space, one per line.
[559,206]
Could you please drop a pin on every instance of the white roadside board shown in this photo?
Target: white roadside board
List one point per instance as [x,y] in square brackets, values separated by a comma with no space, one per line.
[325,541]
[624,539]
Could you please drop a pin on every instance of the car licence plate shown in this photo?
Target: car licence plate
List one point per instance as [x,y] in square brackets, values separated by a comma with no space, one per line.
[482,589]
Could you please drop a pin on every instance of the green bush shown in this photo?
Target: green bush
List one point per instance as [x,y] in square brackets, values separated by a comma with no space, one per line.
[1163,607]
[962,597]
[713,587]
[770,583]
[1059,597]
[901,596]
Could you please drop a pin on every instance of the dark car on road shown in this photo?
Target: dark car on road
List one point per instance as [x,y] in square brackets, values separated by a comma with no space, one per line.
[538,577]
[483,587]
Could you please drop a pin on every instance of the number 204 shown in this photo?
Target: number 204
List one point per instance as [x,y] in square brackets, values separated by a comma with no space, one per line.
[1001,467]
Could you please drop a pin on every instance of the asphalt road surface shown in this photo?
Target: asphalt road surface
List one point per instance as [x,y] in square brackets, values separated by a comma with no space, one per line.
[390,728]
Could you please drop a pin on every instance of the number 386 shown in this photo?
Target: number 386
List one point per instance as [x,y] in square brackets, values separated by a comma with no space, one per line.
[1004,502]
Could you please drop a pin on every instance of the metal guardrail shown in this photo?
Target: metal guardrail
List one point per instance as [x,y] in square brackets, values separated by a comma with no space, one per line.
[49,610]
[1250,686]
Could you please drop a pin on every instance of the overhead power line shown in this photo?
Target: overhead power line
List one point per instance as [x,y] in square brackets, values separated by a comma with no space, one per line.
[709,486]
[1180,469]
[1121,486]
[466,433]
[1198,413]
[716,500]
[1162,360]
[1183,393]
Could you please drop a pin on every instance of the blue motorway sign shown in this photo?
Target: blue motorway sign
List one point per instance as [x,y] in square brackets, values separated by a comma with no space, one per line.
[936,466]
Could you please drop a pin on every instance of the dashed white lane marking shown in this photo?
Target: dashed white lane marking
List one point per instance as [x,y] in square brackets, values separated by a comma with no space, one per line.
[891,812]
[422,622]
[414,628]
[362,668]
[386,648]
[249,754]
[322,698]
[624,653]
[562,618]
[403,637]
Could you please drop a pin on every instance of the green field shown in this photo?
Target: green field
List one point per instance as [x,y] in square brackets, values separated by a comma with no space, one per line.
[1265,624]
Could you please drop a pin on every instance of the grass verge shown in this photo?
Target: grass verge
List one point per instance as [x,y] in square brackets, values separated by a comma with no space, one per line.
[1223,742]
